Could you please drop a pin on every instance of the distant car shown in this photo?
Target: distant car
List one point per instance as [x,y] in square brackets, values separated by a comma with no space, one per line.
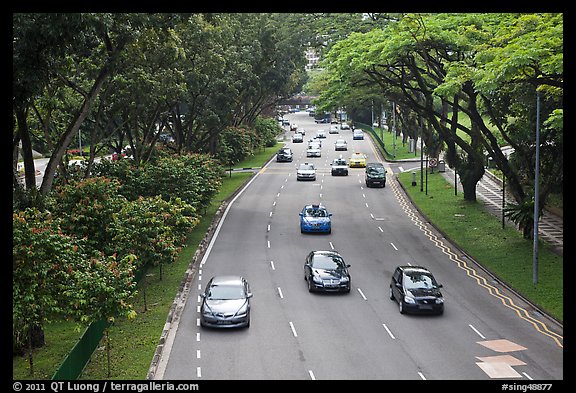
[226,302]
[301,130]
[339,167]
[344,126]
[322,121]
[340,144]
[293,127]
[358,134]
[306,171]
[297,138]
[334,130]
[284,155]
[416,290]
[285,122]
[326,271]
[375,174]
[313,151]
[315,218]
[320,134]
[357,160]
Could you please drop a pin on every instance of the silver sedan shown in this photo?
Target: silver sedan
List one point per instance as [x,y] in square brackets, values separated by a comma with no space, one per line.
[226,302]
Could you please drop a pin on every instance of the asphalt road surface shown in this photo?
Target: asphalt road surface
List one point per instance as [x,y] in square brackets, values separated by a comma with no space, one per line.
[486,332]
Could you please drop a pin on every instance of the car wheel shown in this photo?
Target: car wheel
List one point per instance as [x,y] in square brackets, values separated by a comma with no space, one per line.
[401,307]
[310,286]
[391,294]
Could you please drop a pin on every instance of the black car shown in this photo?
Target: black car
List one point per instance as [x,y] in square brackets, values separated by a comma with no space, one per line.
[375,174]
[284,155]
[326,271]
[416,290]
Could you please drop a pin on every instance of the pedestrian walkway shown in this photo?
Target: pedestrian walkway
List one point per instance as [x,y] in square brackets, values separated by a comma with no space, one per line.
[489,191]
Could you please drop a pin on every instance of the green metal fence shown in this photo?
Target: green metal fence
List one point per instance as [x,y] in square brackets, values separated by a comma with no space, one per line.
[79,356]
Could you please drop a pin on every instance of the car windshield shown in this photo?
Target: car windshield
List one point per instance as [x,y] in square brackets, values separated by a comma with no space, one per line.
[375,170]
[311,212]
[327,261]
[226,292]
[339,162]
[419,280]
[305,167]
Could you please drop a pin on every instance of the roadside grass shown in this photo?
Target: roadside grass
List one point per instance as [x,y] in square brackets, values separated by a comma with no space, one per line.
[501,251]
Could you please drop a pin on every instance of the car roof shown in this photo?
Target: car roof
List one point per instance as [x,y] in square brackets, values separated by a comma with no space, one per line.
[227,280]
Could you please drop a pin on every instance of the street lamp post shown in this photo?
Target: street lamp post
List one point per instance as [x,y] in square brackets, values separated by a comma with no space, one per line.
[536,191]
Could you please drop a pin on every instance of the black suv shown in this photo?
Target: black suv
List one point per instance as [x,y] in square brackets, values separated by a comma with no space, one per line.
[375,174]
[416,290]
[284,155]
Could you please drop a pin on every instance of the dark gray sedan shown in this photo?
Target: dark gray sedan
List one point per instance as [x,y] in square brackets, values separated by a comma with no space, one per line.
[226,302]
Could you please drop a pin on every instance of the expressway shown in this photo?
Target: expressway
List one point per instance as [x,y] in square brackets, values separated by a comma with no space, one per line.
[485,333]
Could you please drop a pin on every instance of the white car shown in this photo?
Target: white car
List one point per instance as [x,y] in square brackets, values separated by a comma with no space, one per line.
[313,150]
[358,135]
[345,126]
[297,138]
[340,144]
[334,130]
[306,171]
[320,134]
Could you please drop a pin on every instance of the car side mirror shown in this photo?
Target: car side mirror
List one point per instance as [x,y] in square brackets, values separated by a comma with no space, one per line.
[347,265]
[301,214]
[202,294]
[399,285]
[249,295]
[329,214]
[439,286]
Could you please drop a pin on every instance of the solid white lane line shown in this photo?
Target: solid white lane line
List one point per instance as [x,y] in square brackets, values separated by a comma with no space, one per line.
[381,230]
[272,265]
[389,332]
[312,377]
[477,332]
[293,329]
[421,375]
[280,293]
[362,294]
[331,245]
[394,246]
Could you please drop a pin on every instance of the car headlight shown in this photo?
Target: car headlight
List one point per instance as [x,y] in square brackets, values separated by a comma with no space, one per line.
[440,300]
[317,279]
[344,279]
[409,299]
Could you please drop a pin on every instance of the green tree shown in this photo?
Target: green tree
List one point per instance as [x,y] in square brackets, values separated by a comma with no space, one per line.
[58,276]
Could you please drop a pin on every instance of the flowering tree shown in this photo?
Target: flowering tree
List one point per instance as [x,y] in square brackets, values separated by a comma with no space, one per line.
[56,276]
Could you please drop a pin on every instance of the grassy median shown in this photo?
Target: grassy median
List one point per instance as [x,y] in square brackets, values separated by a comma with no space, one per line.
[480,234]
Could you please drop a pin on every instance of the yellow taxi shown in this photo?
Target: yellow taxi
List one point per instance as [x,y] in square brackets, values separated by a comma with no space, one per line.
[357,160]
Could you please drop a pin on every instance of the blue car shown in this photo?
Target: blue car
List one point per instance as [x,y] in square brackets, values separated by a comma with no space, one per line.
[315,218]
